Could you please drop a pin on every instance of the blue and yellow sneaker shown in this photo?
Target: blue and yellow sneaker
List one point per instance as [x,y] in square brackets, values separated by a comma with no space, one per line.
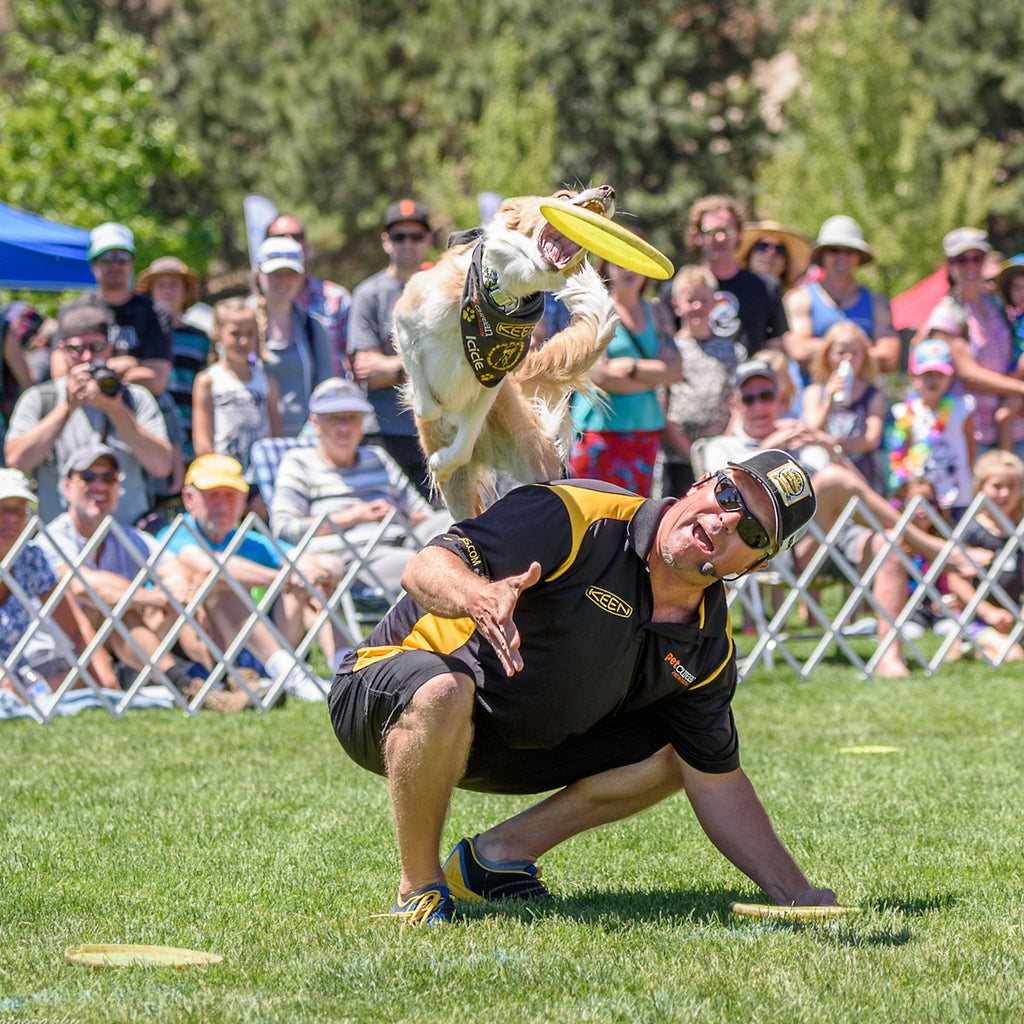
[430,905]
[470,877]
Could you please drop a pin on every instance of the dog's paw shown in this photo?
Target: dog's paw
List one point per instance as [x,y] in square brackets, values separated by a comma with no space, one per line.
[584,294]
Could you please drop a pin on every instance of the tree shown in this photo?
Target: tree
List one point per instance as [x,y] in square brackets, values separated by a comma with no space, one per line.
[862,139]
[86,137]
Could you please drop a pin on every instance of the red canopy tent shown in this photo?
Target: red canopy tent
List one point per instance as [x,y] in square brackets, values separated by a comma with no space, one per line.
[910,309]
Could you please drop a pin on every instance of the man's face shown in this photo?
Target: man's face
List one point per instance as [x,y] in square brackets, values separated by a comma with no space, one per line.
[719,235]
[217,510]
[340,434]
[759,406]
[14,513]
[92,493]
[697,529]
[86,348]
[406,243]
[113,269]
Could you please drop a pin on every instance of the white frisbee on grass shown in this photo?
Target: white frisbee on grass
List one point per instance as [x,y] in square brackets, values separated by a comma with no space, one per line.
[771,912]
[606,239]
[128,955]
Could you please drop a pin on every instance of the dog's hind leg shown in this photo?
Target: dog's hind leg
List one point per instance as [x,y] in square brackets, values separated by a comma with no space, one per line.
[443,462]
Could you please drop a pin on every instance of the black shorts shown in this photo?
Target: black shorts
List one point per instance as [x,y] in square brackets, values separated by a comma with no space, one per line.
[366,703]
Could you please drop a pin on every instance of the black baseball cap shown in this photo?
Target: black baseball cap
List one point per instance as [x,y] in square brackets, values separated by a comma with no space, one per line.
[786,482]
[406,209]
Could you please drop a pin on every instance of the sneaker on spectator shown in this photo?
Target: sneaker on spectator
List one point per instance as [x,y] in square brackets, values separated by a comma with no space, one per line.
[303,685]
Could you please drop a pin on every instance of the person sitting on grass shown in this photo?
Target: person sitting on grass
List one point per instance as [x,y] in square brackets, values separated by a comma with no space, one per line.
[42,665]
[574,637]
[215,494]
[92,483]
[999,475]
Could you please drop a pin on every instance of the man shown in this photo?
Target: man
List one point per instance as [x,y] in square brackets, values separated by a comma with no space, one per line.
[354,486]
[757,409]
[215,494]
[88,404]
[375,363]
[91,484]
[812,308]
[573,636]
[142,331]
[327,301]
[752,300]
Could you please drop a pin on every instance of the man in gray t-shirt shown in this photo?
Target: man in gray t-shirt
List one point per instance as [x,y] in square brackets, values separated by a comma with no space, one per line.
[376,364]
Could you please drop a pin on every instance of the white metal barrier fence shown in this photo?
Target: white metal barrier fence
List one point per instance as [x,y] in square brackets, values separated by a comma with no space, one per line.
[767,601]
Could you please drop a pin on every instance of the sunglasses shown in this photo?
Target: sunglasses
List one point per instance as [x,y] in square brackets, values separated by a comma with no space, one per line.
[115,257]
[968,257]
[838,250]
[729,499]
[91,347]
[107,476]
[407,236]
[776,247]
[719,234]
[757,396]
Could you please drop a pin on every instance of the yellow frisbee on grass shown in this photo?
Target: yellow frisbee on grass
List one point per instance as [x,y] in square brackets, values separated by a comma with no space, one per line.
[771,912]
[606,239]
[122,955]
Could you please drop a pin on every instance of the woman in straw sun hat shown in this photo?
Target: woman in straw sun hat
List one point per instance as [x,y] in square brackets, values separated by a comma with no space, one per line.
[769,247]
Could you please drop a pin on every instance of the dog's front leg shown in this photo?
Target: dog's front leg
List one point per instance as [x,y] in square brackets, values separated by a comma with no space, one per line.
[445,461]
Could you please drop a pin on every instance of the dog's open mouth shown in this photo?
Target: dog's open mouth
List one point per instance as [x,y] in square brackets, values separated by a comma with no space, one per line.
[560,251]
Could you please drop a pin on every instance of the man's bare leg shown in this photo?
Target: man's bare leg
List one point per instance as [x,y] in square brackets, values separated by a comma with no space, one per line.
[425,755]
[598,800]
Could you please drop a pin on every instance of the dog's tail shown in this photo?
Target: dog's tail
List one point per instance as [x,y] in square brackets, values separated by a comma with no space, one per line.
[563,363]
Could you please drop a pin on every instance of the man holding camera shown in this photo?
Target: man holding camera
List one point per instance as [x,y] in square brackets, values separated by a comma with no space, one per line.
[88,405]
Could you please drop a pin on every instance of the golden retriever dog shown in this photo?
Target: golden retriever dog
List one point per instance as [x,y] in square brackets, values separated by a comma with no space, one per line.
[486,405]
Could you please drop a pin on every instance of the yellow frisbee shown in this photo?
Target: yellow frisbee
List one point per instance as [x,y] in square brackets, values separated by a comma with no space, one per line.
[606,239]
[767,911]
[121,955]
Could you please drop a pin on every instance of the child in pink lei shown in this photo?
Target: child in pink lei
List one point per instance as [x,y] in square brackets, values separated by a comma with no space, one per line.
[933,432]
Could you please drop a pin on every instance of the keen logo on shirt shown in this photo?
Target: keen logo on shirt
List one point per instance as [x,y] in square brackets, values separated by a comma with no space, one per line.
[609,602]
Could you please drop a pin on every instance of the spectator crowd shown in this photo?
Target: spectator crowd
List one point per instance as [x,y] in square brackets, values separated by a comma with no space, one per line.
[122,408]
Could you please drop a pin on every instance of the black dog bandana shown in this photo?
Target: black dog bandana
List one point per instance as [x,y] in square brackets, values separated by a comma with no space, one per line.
[496,327]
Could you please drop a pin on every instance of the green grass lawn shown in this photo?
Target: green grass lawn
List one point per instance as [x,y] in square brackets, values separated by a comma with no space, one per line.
[253,837]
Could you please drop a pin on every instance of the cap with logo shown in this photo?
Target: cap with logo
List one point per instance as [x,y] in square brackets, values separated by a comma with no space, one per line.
[209,471]
[961,240]
[14,484]
[338,395]
[788,486]
[754,368]
[406,209]
[931,354]
[82,458]
[281,253]
[81,319]
[110,236]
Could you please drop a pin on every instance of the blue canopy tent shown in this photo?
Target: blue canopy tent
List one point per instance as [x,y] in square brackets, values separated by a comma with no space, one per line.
[41,255]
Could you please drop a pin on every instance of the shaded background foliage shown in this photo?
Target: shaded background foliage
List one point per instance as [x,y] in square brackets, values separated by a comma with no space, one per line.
[907,115]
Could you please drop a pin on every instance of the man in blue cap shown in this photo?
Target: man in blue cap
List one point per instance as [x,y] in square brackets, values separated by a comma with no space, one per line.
[574,637]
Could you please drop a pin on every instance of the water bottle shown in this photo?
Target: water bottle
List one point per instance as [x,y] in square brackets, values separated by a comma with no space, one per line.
[845,372]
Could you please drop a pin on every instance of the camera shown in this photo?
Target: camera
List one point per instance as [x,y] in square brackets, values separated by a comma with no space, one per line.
[106,380]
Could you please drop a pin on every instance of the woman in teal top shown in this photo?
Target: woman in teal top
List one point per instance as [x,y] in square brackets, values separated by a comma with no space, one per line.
[618,442]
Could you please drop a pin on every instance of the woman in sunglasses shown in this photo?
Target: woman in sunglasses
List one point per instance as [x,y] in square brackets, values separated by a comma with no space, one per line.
[972,322]
[773,249]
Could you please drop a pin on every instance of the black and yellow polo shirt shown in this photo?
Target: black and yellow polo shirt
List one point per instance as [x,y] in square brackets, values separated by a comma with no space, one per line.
[588,645]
